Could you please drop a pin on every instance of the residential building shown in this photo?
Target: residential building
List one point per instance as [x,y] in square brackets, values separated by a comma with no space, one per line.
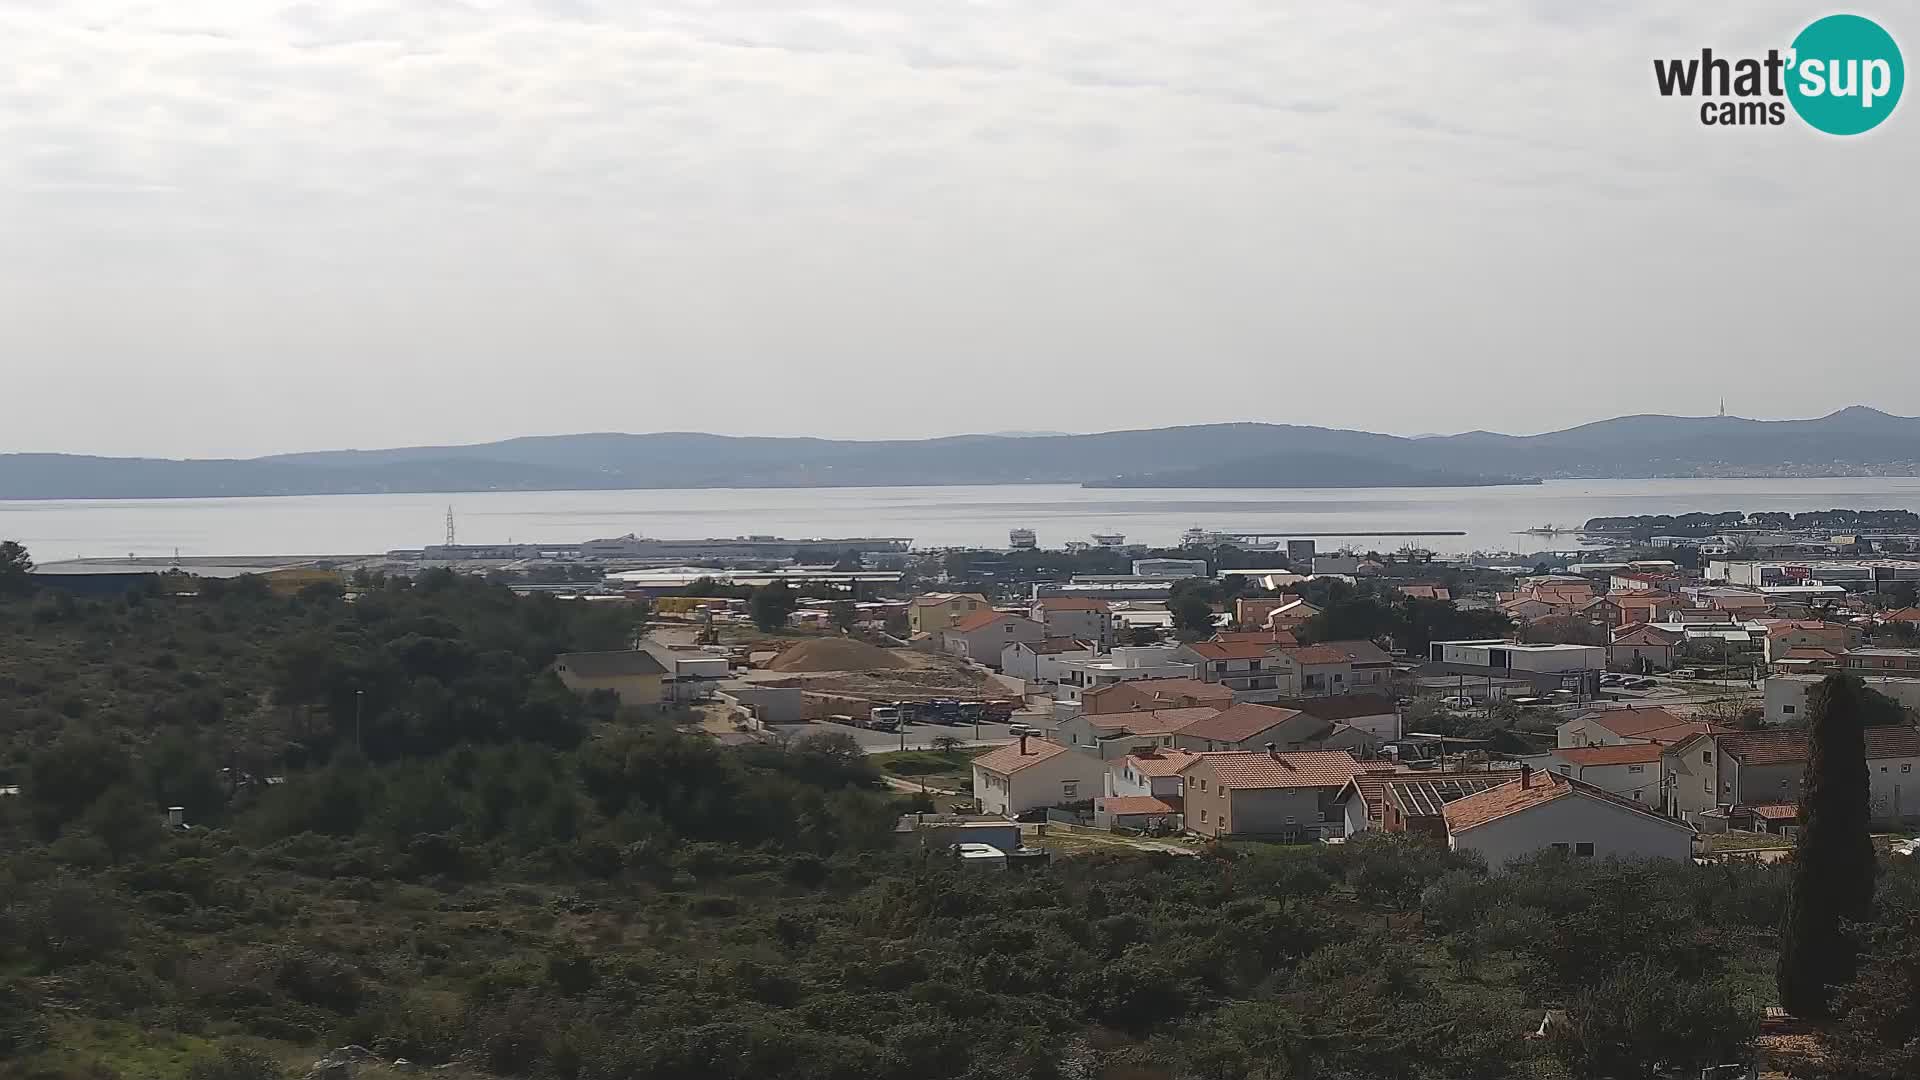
[1394,801]
[1031,774]
[1641,647]
[1369,669]
[1881,661]
[1629,770]
[984,635]
[634,675]
[1375,714]
[1284,639]
[1075,617]
[1726,770]
[1541,811]
[1323,669]
[1602,611]
[1256,613]
[1787,634]
[1144,812]
[1633,725]
[1112,736]
[1807,661]
[1078,679]
[1281,795]
[1253,670]
[1155,772]
[1785,696]
[1425,592]
[1135,696]
[1040,661]
[1631,581]
[1907,615]
[937,611]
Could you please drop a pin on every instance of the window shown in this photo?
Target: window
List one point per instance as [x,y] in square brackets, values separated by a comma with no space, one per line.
[1203,817]
[1585,851]
[1906,768]
[1706,757]
[1069,788]
[1786,708]
[1636,768]
[1566,770]
[1561,848]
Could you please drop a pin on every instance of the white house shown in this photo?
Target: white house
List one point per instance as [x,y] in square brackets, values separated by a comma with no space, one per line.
[1633,724]
[1629,770]
[1039,661]
[1030,774]
[1126,664]
[1540,811]
[1156,773]
[984,635]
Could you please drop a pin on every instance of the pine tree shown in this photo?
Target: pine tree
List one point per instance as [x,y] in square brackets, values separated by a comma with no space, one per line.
[1833,862]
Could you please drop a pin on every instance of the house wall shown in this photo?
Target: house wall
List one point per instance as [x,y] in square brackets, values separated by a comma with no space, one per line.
[1369,679]
[1271,811]
[1094,626]
[1124,781]
[987,644]
[1382,726]
[1063,778]
[1641,787]
[1692,774]
[1572,820]
[1585,732]
[1354,814]
[1628,657]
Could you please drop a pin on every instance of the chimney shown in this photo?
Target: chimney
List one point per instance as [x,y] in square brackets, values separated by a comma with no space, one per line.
[1526,775]
[1023,746]
[1272,752]
[176,817]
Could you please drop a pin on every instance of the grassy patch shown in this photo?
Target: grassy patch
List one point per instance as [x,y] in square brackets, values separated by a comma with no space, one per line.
[955,766]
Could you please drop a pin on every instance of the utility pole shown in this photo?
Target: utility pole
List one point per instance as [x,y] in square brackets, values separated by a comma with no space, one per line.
[359,697]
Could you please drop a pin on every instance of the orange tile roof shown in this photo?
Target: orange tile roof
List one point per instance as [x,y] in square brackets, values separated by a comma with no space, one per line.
[1635,720]
[1152,721]
[1784,811]
[1787,747]
[1644,634]
[1008,759]
[1318,654]
[1234,650]
[967,624]
[1292,769]
[1517,795]
[1243,721]
[1625,754]
[1137,804]
[1360,652]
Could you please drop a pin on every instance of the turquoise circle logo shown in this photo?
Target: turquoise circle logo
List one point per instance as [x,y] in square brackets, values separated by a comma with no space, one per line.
[1847,74]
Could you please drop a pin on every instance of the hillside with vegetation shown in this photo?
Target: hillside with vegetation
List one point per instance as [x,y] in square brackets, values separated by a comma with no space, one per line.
[404,836]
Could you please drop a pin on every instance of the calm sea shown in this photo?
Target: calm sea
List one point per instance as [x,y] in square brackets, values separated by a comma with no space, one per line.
[1490,517]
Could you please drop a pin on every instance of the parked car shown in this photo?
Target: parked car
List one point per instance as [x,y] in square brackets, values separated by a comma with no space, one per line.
[1612,678]
[1017,730]
[1639,684]
[1457,701]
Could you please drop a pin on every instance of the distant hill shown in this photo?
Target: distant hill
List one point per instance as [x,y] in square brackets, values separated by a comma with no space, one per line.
[1849,442]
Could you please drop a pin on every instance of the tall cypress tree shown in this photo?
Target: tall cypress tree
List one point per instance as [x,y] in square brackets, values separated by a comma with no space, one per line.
[1833,861]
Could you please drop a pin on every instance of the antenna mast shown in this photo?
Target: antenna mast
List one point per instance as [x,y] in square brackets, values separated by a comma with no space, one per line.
[449,525]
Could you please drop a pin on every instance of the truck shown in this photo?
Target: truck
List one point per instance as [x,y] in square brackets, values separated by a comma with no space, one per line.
[883,718]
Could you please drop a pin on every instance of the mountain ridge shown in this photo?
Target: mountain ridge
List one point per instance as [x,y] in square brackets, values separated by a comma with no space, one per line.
[1849,441]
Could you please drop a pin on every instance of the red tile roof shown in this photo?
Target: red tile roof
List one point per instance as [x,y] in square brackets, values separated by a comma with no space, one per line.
[967,624]
[1518,795]
[1240,722]
[1293,769]
[1643,634]
[1009,759]
[1234,650]
[1787,747]
[1360,652]
[1626,754]
[1318,654]
[1635,720]
[1137,804]
[1152,721]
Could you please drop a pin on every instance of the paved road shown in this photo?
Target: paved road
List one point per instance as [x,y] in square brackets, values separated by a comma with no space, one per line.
[921,736]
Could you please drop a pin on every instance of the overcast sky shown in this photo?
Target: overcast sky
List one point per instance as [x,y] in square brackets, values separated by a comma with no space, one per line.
[241,227]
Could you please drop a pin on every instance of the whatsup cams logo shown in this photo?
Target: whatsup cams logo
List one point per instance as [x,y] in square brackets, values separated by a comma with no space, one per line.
[1842,75]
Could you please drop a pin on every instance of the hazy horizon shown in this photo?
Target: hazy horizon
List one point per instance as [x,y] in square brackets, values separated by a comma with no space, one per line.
[238,229]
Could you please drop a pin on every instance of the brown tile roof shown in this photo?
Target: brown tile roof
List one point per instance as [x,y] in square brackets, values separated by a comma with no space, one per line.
[1243,721]
[1165,762]
[1008,759]
[1069,603]
[1625,754]
[1810,652]
[938,598]
[1152,721]
[1643,634]
[1318,654]
[1360,652]
[1141,693]
[1138,804]
[1425,592]
[1233,650]
[1905,614]
[1787,747]
[1293,769]
[1635,720]
[1515,796]
[1271,637]
[1781,811]
[1340,706]
[1372,789]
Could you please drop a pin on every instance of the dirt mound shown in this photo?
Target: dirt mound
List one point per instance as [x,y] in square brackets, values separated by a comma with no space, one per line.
[835,654]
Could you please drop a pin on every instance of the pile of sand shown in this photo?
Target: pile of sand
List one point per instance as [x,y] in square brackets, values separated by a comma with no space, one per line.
[835,654]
